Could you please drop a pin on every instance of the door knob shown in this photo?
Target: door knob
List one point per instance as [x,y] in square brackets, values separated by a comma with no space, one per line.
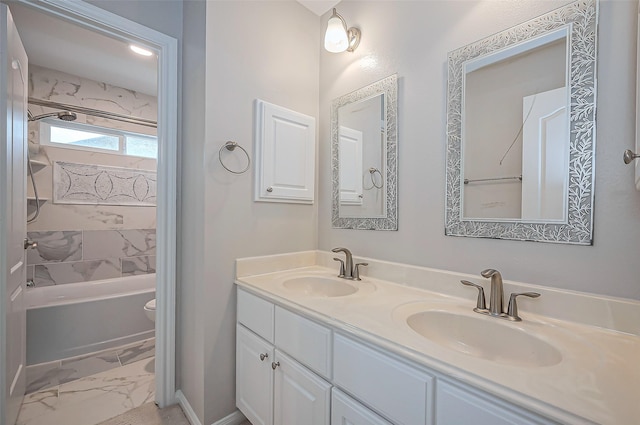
[629,156]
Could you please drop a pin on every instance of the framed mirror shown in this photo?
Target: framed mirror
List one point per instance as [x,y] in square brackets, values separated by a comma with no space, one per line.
[521,131]
[364,154]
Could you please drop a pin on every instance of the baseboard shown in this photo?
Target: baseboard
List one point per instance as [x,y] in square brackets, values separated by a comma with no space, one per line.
[187,409]
[235,418]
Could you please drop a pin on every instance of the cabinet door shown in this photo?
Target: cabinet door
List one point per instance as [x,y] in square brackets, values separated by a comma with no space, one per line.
[254,377]
[300,396]
[455,405]
[347,411]
[285,154]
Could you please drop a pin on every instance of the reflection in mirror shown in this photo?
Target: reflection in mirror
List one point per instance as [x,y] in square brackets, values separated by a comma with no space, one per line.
[521,130]
[363,127]
[361,140]
[520,161]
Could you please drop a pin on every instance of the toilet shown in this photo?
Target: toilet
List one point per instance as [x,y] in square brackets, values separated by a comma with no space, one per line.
[150,310]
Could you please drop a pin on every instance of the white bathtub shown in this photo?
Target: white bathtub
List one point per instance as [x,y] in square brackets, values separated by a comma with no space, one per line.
[79,318]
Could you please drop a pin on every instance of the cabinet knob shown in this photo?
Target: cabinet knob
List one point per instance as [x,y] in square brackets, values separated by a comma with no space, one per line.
[629,156]
[274,365]
[269,189]
[264,356]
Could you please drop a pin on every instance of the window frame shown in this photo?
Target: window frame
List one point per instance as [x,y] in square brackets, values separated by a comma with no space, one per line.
[122,135]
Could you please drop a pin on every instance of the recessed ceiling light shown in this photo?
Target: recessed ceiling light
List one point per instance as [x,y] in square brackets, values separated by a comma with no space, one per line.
[139,50]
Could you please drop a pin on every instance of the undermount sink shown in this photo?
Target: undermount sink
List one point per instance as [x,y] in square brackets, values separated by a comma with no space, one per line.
[484,337]
[319,286]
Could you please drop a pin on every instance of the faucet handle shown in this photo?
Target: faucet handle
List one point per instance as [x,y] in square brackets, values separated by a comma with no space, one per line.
[512,310]
[341,267]
[356,270]
[480,303]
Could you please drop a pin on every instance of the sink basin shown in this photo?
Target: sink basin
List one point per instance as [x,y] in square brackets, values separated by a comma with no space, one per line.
[485,337]
[318,286]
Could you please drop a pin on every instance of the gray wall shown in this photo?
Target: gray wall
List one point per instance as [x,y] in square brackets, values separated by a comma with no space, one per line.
[412,39]
[190,333]
[255,49]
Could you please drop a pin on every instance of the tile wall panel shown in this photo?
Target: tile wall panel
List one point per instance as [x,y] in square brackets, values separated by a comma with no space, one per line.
[79,256]
[55,247]
[80,271]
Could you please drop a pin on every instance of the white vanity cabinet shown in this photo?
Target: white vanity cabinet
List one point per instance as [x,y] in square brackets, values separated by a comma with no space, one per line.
[272,387]
[295,371]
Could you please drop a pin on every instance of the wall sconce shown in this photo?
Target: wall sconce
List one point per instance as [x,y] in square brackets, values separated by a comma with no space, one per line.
[338,38]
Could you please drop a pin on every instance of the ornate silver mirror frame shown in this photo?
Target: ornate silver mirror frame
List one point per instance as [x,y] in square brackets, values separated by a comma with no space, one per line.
[581,19]
[388,87]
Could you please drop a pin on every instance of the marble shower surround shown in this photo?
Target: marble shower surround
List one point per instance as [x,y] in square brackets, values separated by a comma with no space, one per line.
[85,255]
[56,86]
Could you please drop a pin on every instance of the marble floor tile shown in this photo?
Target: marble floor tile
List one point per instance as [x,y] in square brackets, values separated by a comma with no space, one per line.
[139,351]
[82,412]
[121,380]
[38,404]
[92,399]
[78,367]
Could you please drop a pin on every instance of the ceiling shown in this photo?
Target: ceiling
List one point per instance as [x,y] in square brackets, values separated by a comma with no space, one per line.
[319,7]
[54,43]
[57,44]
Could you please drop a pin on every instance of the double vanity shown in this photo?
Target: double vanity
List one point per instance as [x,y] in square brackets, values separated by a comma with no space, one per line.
[403,345]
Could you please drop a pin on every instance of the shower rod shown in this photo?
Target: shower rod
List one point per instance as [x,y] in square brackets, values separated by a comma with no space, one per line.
[93,112]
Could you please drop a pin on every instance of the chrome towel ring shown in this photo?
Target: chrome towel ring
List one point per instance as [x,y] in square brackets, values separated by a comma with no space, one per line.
[372,172]
[231,146]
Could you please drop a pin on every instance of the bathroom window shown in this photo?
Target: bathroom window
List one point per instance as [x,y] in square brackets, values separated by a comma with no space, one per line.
[99,139]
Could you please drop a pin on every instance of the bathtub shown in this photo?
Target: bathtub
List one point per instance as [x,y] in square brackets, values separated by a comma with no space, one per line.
[79,318]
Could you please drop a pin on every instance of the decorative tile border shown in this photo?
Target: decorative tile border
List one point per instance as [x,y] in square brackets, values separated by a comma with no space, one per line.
[102,185]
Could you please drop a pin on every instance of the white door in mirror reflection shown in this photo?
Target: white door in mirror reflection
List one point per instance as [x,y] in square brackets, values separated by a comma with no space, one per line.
[545,156]
[350,166]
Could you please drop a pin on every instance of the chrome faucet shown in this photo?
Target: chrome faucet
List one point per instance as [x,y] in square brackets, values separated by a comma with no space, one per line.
[497,293]
[347,269]
[496,306]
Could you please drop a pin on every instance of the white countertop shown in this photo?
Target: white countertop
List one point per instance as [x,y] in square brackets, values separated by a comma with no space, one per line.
[598,378]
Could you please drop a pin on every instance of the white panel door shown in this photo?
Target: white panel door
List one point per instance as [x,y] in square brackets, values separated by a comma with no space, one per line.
[13,199]
[300,397]
[285,154]
[350,156]
[545,156]
[254,377]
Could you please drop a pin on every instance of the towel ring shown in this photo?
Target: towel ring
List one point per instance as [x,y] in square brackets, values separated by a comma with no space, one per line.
[372,172]
[230,146]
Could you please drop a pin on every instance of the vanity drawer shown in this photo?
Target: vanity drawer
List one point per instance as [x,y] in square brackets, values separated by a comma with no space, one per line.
[345,410]
[305,340]
[256,314]
[396,390]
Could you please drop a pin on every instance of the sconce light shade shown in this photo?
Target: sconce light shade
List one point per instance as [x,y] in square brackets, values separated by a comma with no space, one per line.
[338,38]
